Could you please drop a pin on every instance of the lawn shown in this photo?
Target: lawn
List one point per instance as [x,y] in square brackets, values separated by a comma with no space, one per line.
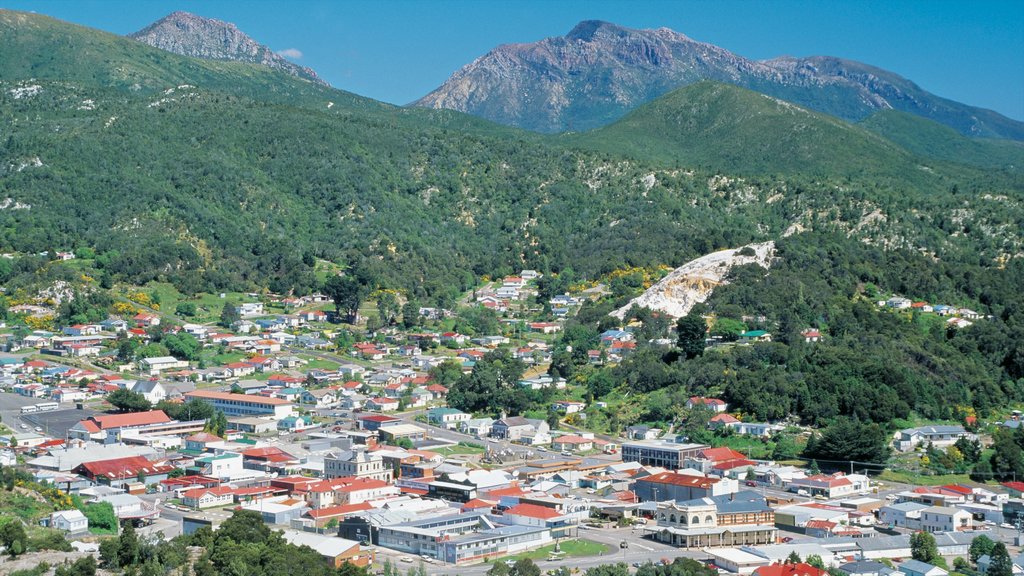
[318,364]
[458,449]
[570,549]
[907,477]
[750,446]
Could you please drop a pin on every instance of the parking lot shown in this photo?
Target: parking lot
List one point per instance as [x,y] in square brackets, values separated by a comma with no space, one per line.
[55,423]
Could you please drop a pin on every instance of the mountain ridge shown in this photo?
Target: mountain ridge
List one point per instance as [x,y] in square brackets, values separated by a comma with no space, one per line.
[196,36]
[599,71]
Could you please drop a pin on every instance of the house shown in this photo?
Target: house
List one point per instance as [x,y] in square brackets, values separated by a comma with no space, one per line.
[918,568]
[154,366]
[674,486]
[790,569]
[827,486]
[318,398]
[449,418]
[867,567]
[640,432]
[70,521]
[755,336]
[516,427]
[479,427]
[224,466]
[572,443]
[938,436]
[295,423]
[381,404]
[247,309]
[713,404]
[544,327]
[898,303]
[201,441]
[145,320]
[200,498]
[568,406]
[811,335]
[243,404]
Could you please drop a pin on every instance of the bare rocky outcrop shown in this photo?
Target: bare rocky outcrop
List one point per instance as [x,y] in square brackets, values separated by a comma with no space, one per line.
[599,71]
[190,35]
[694,281]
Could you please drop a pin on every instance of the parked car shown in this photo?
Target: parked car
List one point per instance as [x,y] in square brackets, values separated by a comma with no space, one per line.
[750,483]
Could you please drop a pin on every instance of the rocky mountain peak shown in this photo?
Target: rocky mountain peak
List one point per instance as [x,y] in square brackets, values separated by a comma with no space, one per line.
[199,37]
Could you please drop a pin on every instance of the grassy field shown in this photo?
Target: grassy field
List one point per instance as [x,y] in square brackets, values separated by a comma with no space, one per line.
[458,449]
[752,447]
[570,549]
[318,364]
[907,477]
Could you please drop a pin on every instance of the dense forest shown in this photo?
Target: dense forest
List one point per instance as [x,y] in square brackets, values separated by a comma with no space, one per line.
[222,176]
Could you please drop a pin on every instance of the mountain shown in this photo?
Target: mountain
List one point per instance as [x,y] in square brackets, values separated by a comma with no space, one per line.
[930,139]
[217,175]
[724,127]
[190,35]
[600,71]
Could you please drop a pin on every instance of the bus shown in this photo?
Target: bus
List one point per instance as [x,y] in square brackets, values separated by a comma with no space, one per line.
[29,409]
[47,406]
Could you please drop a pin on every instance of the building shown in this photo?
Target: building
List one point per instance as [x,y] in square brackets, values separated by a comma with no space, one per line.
[681,487]
[345,491]
[200,498]
[742,519]
[825,485]
[670,455]
[100,427]
[243,404]
[938,436]
[945,519]
[225,467]
[279,510]
[154,366]
[336,551]
[516,427]
[797,569]
[902,515]
[356,463]
[120,471]
[714,404]
[449,418]
[918,568]
[70,521]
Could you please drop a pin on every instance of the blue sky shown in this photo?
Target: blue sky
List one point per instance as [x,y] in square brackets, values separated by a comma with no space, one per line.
[398,50]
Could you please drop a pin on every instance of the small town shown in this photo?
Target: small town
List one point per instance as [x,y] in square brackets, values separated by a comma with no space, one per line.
[511,288]
[350,447]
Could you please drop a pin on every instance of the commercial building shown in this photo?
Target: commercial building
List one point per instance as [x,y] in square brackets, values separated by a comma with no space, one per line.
[243,404]
[670,455]
[681,487]
[742,519]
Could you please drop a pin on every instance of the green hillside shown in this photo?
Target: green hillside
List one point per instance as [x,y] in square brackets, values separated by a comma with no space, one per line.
[930,139]
[725,127]
[220,176]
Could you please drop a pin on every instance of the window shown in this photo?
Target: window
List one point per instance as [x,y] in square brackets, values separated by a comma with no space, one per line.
[695,520]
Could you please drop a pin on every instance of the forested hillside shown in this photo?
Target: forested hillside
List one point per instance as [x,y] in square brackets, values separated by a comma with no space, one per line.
[216,175]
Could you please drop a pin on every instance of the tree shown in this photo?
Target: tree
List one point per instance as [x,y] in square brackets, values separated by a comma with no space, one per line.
[691,330]
[980,546]
[1000,563]
[816,561]
[410,314]
[217,424]
[849,439]
[127,401]
[229,314]
[348,293]
[924,548]
[617,569]
[13,536]
[498,569]
[127,546]
[186,309]
[524,567]
[183,346]
[101,516]
[793,558]
[387,307]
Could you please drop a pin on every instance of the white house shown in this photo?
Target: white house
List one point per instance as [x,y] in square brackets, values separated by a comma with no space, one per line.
[71,521]
[939,436]
[250,309]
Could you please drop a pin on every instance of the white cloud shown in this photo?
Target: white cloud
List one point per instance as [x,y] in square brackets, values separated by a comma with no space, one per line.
[293,53]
